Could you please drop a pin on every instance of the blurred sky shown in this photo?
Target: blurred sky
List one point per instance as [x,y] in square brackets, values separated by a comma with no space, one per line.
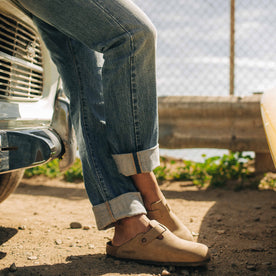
[193,45]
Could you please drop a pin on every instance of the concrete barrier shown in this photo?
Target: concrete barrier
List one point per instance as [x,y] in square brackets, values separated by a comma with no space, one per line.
[228,122]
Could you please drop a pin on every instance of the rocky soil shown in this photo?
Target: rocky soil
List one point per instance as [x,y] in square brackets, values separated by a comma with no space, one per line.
[37,236]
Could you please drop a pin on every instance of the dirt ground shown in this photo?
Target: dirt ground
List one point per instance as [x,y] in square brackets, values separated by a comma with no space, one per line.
[36,238]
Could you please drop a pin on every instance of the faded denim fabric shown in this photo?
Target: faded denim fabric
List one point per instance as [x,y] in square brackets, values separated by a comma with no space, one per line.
[113,102]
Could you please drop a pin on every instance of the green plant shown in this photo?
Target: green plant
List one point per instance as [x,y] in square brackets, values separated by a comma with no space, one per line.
[182,172]
[161,172]
[214,171]
[229,167]
[50,169]
[199,175]
[74,173]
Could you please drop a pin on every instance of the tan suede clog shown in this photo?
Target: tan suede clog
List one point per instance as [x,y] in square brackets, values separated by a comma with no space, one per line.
[162,212]
[160,246]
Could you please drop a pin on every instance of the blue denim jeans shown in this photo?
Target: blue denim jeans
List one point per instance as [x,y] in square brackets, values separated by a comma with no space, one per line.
[105,53]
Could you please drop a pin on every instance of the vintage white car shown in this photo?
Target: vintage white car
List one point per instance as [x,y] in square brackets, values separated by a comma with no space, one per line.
[35,125]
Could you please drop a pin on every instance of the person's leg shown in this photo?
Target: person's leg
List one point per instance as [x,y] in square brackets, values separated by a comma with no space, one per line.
[80,69]
[147,185]
[128,129]
[128,132]
[84,65]
[65,52]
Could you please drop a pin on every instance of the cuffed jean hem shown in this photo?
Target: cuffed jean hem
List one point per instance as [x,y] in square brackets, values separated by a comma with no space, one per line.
[137,162]
[123,206]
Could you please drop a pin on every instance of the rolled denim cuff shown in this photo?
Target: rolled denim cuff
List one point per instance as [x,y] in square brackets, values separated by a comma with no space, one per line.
[123,206]
[137,162]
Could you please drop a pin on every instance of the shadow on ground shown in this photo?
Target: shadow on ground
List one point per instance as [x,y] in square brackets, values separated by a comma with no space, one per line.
[93,265]
[69,192]
[239,229]
[5,235]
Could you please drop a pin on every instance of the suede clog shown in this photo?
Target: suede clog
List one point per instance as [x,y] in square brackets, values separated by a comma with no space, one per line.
[160,246]
[162,212]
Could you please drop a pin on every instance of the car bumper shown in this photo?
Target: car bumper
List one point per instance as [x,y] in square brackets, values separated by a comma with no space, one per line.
[28,148]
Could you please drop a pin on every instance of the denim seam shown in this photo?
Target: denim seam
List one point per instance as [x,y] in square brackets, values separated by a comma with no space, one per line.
[134,101]
[84,125]
[141,169]
[136,162]
[132,77]
[134,165]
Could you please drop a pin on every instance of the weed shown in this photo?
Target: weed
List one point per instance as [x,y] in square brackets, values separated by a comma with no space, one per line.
[199,175]
[161,172]
[214,171]
[74,173]
[50,169]
[228,167]
[182,172]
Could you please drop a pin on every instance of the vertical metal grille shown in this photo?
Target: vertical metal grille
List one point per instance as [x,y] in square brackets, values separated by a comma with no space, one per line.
[21,69]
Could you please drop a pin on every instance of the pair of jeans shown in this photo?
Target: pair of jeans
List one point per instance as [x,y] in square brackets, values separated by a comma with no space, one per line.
[104,51]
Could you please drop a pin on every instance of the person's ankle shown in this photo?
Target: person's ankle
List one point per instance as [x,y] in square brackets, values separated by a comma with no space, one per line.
[148,186]
[128,228]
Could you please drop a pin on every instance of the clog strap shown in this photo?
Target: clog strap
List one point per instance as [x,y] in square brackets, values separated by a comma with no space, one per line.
[156,230]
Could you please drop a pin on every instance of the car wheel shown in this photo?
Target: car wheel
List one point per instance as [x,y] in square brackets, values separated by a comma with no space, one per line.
[9,182]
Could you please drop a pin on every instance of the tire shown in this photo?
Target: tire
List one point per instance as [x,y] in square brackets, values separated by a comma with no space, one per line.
[9,182]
